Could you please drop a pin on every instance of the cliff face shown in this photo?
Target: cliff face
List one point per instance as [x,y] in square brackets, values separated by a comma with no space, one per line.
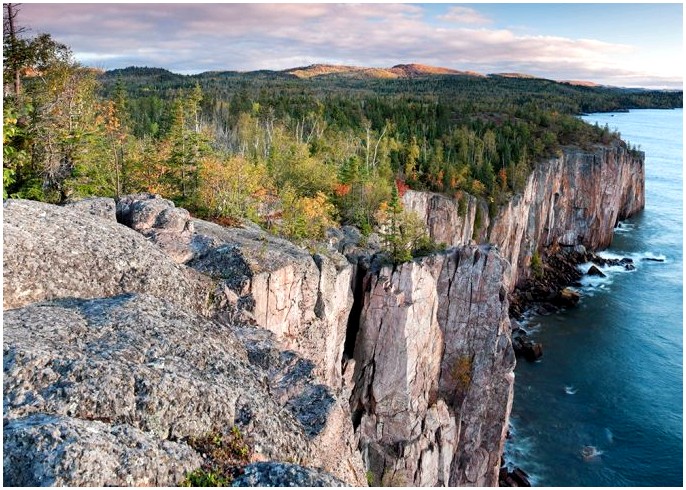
[450,221]
[305,300]
[433,376]
[574,199]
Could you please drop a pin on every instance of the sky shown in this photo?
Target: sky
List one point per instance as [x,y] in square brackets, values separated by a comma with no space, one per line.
[628,45]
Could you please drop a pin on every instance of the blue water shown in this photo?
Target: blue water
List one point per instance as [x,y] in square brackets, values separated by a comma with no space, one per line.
[611,375]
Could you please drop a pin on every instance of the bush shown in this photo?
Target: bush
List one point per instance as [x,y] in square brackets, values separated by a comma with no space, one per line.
[202,478]
[305,217]
[536,265]
[226,453]
[231,188]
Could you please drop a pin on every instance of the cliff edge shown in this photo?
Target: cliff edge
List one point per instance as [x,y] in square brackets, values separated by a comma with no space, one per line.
[574,199]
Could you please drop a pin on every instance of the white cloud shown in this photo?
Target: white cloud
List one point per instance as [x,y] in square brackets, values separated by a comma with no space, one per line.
[464,15]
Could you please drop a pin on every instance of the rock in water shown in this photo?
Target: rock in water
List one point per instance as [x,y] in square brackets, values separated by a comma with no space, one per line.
[531,351]
[569,297]
[594,271]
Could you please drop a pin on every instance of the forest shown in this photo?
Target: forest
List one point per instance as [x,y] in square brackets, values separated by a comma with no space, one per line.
[293,155]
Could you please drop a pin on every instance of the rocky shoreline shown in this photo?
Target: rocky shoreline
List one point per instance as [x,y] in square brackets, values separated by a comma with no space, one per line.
[553,290]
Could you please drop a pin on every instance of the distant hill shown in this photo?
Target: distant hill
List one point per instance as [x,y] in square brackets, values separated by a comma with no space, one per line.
[412,70]
[580,83]
[320,71]
[415,70]
[513,75]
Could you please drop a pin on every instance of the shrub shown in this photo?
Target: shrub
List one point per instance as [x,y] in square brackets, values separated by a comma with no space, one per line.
[305,217]
[231,188]
[461,372]
[536,265]
[202,478]
[226,453]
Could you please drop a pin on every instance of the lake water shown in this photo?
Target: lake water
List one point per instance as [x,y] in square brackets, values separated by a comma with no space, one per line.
[611,375]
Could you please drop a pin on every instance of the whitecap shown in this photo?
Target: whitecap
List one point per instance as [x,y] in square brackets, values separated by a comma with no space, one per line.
[570,390]
[590,452]
[623,227]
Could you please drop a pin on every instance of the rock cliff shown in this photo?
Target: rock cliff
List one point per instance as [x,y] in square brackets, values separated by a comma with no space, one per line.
[304,299]
[574,199]
[433,370]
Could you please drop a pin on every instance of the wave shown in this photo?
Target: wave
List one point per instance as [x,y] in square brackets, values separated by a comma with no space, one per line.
[624,227]
[518,452]
[590,453]
[592,284]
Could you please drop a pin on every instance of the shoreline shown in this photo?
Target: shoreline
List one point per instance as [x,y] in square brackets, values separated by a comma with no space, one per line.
[554,290]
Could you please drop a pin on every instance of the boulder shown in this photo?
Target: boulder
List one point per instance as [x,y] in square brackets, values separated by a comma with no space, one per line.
[58,252]
[568,297]
[530,350]
[515,478]
[594,271]
[158,219]
[103,207]
[274,474]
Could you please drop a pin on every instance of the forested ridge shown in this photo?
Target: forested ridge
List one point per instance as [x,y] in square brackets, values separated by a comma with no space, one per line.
[295,155]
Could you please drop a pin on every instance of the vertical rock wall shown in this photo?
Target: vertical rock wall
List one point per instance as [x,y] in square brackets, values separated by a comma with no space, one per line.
[448,220]
[573,199]
[433,376]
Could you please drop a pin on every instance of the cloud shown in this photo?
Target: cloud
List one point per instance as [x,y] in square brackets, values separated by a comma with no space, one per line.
[191,38]
[464,15]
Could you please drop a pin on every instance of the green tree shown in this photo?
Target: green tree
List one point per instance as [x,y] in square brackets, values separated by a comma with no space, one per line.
[188,143]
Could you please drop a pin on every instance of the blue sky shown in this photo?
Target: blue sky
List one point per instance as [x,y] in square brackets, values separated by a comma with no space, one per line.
[614,44]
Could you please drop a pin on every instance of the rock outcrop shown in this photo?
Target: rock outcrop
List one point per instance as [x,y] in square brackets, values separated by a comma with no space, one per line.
[56,252]
[269,474]
[451,221]
[132,371]
[124,360]
[304,299]
[576,198]
[433,376]
[53,450]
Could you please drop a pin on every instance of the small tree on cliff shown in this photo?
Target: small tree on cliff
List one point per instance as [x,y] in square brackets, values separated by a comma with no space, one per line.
[403,233]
